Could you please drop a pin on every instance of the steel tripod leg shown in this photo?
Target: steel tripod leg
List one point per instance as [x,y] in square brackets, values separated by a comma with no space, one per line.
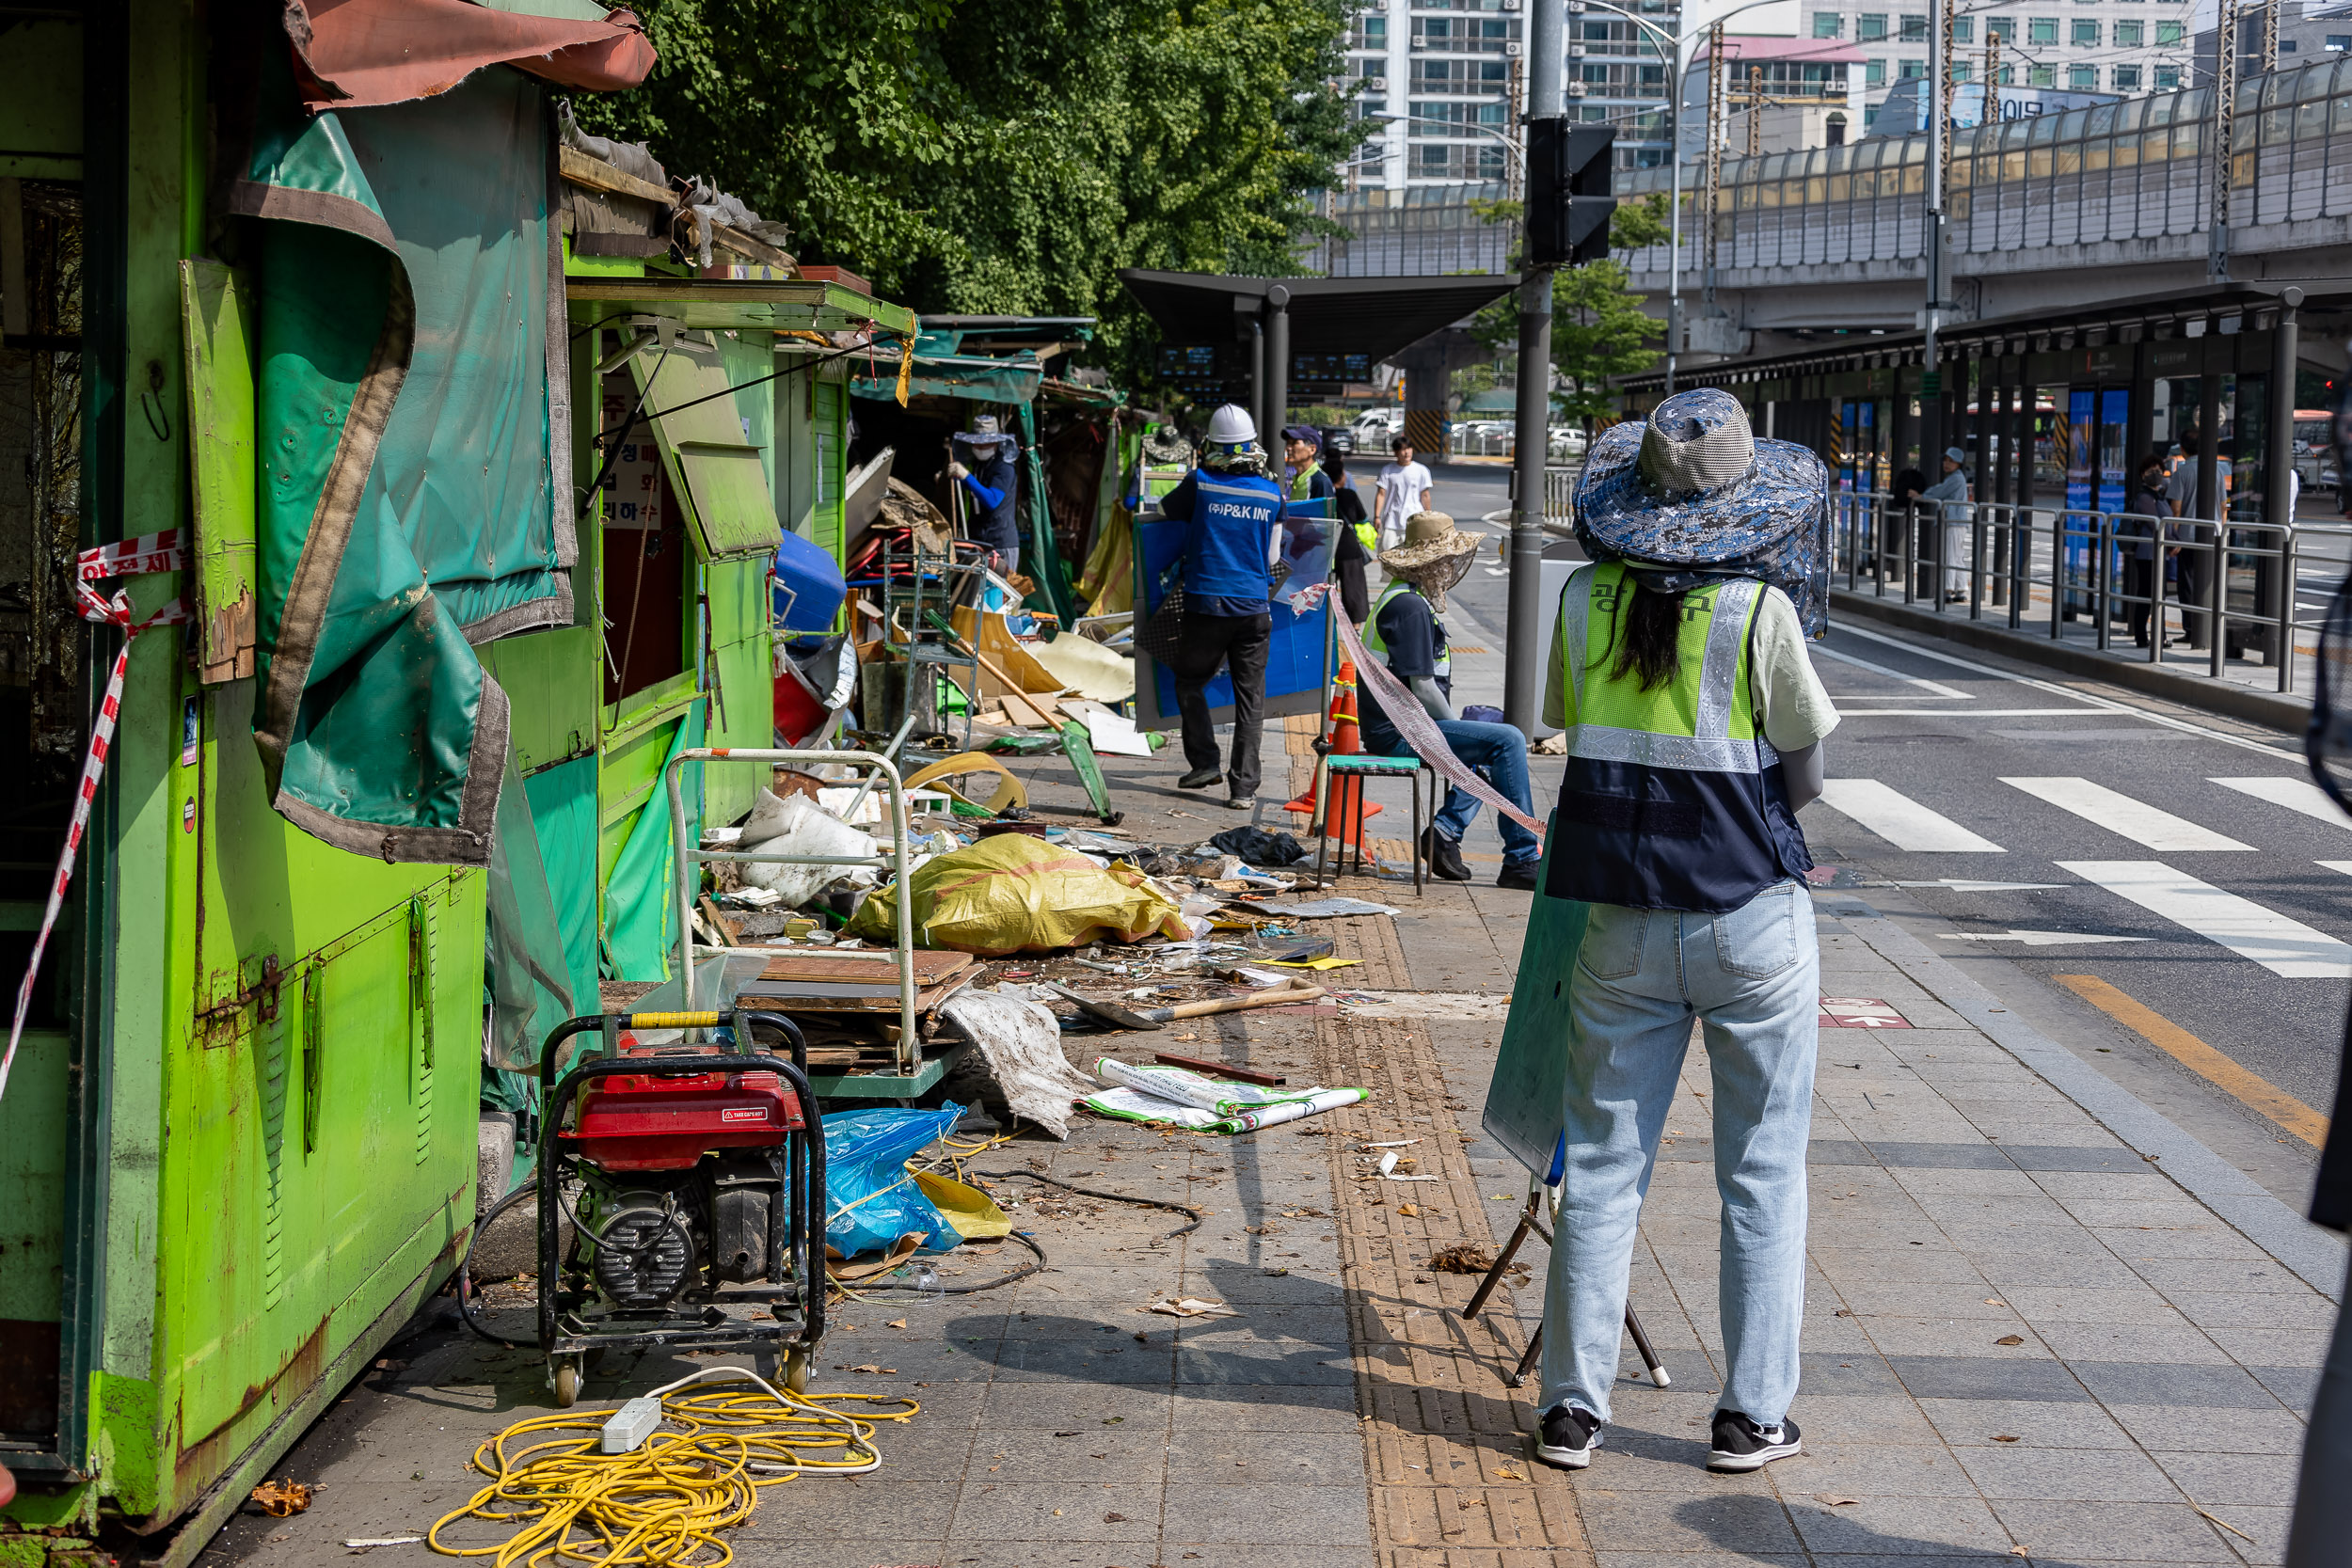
[1634,1326]
[1503,1262]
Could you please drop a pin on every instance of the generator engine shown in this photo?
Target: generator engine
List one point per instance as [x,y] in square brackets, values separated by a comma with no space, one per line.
[683,1180]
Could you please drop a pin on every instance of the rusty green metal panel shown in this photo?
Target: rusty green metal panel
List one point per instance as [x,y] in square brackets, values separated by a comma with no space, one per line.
[217,311]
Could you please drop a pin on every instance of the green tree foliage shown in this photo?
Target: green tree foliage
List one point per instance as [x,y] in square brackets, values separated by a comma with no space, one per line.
[1004,159]
[1599,328]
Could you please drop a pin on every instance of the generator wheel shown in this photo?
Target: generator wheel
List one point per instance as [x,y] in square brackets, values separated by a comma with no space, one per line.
[567,1383]
[795,1370]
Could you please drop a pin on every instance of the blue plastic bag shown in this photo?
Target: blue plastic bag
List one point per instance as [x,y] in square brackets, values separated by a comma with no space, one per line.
[866,1152]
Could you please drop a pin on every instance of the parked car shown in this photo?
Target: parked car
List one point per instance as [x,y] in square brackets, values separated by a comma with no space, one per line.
[1340,438]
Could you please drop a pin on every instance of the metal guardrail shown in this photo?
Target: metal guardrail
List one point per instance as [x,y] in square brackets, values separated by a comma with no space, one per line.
[1974,557]
[2135,170]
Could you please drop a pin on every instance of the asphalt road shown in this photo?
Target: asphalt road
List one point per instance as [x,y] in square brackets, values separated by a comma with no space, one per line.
[2117,857]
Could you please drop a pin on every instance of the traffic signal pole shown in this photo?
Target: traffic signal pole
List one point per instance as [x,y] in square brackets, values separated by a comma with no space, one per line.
[1547,57]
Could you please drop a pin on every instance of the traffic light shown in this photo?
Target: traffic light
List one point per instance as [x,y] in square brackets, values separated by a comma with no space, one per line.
[1569,204]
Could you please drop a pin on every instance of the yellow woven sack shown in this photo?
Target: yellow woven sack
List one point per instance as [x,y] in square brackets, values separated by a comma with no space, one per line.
[1014,893]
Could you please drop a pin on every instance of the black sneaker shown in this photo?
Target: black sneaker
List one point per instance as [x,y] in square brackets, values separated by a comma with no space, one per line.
[1444,857]
[1200,778]
[1742,1444]
[1520,875]
[1568,1437]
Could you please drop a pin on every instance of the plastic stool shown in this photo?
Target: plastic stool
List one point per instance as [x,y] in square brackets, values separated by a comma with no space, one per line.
[1340,778]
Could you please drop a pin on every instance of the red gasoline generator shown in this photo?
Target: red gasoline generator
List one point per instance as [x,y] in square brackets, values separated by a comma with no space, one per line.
[695,1179]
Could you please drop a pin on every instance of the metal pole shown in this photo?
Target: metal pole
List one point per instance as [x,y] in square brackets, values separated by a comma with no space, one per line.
[2279,466]
[1674,212]
[1522,680]
[1933,440]
[1257,375]
[1715,133]
[2224,115]
[1756,110]
[1278,368]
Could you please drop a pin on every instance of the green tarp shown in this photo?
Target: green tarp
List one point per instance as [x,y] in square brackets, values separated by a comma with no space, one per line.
[410,392]
[640,897]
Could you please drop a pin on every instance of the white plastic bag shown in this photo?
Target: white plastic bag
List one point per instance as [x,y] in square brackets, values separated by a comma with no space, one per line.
[795,824]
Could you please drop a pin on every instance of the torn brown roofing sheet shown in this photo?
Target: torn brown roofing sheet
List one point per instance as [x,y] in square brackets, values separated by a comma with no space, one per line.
[360,52]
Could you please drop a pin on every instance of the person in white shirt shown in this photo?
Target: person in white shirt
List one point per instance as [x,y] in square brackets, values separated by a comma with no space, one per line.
[1403,493]
[1953,490]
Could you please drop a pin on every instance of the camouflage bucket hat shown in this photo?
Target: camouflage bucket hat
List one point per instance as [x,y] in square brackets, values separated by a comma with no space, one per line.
[1692,490]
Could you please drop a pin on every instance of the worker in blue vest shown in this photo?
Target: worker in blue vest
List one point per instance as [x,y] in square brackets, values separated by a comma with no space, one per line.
[990,480]
[1405,630]
[1232,504]
[1694,725]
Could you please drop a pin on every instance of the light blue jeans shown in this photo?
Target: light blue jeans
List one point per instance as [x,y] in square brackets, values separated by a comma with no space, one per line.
[1753,977]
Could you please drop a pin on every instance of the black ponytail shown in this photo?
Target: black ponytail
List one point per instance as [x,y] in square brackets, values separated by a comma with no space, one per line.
[1651,649]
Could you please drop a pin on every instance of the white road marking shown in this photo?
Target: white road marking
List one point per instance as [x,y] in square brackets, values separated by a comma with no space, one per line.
[2284,946]
[1969,884]
[2118,813]
[1845,712]
[2345,866]
[1933,688]
[2294,794]
[1901,820]
[2040,938]
[2056,690]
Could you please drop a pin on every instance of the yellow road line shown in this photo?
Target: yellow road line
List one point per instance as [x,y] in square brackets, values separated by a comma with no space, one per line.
[2201,1058]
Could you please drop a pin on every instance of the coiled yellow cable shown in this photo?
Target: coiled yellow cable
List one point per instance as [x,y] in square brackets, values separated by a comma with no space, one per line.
[665,1505]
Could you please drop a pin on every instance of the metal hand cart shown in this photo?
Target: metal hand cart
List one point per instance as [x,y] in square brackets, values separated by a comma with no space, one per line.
[914,1073]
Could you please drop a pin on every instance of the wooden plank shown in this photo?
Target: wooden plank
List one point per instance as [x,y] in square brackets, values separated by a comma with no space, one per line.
[597,175]
[775,997]
[931,968]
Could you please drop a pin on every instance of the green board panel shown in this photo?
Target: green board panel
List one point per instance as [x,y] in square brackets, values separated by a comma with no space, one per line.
[830,476]
[713,463]
[550,678]
[742,709]
[32,1181]
[217,311]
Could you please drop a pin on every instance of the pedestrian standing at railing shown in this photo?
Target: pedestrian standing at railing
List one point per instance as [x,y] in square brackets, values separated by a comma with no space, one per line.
[1952,494]
[2143,571]
[2195,566]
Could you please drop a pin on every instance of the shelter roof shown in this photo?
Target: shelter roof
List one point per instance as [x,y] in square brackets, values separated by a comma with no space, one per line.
[1375,316]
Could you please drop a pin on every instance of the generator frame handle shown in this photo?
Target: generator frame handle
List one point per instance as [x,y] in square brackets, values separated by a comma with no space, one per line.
[806,1187]
[687,859]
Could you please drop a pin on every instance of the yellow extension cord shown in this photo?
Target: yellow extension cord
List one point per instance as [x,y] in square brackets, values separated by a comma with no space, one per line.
[665,1505]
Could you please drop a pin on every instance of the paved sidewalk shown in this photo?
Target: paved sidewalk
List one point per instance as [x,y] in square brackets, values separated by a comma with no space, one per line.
[2022,1336]
[2145,1410]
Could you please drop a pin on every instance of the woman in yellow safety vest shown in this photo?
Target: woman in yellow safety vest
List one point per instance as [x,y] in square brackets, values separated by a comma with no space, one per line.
[1694,724]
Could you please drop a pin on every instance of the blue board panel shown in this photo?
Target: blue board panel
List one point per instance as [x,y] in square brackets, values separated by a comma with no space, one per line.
[1296,660]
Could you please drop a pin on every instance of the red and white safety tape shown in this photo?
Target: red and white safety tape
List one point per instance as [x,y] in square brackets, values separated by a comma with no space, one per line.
[149,552]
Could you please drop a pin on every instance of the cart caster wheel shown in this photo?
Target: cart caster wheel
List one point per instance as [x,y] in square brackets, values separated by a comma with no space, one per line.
[568,1384]
[796,1371]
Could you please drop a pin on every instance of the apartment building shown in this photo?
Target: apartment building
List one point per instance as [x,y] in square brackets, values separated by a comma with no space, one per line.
[1439,84]
[2119,47]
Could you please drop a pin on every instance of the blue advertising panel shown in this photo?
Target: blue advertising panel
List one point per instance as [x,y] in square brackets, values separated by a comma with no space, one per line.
[1297,671]
[2080,437]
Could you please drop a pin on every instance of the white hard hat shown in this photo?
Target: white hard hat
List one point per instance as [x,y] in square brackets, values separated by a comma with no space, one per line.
[1230,426]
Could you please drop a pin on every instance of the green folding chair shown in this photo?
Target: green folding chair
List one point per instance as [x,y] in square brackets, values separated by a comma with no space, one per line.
[1339,782]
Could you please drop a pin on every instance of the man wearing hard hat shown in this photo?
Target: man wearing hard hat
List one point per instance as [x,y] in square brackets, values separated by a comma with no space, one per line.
[1232,507]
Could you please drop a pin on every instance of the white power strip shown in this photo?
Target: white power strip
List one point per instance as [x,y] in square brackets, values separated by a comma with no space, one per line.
[626,1428]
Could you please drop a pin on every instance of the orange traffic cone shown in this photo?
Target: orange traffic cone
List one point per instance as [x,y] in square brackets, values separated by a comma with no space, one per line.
[1347,738]
[1346,823]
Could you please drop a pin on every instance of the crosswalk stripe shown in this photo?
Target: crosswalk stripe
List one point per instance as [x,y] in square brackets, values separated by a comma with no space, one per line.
[2294,794]
[2134,820]
[2345,866]
[2284,946]
[1901,820]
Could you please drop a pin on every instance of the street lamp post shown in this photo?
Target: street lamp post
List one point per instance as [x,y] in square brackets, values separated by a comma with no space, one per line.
[1671,46]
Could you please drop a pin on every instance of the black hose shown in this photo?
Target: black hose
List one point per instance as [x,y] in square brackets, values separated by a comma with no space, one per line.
[1027,1241]
[465,1271]
[1116,1197]
[911,1290]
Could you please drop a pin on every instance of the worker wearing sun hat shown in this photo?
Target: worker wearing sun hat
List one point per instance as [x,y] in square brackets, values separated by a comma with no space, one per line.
[1950,493]
[1693,723]
[1404,629]
[990,480]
